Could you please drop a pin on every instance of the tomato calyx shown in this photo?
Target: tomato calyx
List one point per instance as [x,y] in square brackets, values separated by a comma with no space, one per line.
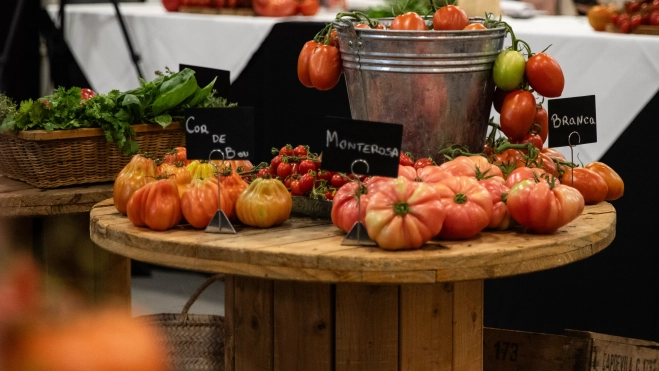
[460,198]
[482,175]
[455,150]
[359,17]
[401,208]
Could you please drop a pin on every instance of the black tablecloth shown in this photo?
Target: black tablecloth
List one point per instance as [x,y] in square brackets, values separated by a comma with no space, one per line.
[615,292]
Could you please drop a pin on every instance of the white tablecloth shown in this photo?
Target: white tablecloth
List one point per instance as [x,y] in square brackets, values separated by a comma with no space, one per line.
[622,71]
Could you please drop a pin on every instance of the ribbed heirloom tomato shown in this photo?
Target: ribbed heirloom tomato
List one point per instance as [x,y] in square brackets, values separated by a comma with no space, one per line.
[199,202]
[468,207]
[179,173]
[344,204]
[157,205]
[139,171]
[403,214]
[544,207]
[499,192]
[265,203]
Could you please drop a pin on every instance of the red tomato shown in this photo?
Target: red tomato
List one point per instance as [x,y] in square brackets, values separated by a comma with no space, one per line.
[590,184]
[362,25]
[499,97]
[459,166]
[423,162]
[409,21]
[295,166]
[403,214]
[344,207]
[274,163]
[337,181]
[300,151]
[329,195]
[325,67]
[616,187]
[450,17]
[534,139]
[552,153]
[509,157]
[517,113]
[405,160]
[635,21]
[546,163]
[87,93]
[545,75]
[475,26]
[498,191]
[286,150]
[308,7]
[295,188]
[263,173]
[468,207]
[135,175]
[324,175]
[306,183]
[306,166]
[654,17]
[157,205]
[543,208]
[199,202]
[178,154]
[542,121]
[523,173]
[274,8]
[171,5]
[284,169]
[303,63]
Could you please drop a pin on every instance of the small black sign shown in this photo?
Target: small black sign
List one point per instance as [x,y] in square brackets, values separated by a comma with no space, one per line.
[205,75]
[569,115]
[377,143]
[228,129]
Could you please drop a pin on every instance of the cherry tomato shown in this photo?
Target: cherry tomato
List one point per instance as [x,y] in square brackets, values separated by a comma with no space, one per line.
[286,150]
[287,182]
[87,93]
[590,184]
[324,175]
[274,163]
[300,151]
[450,17]
[303,63]
[545,75]
[542,122]
[329,195]
[409,21]
[655,5]
[171,5]
[380,27]
[337,181]
[362,25]
[508,70]
[263,173]
[475,26]
[306,166]
[405,160]
[533,139]
[306,183]
[499,96]
[517,114]
[295,167]
[308,7]
[616,187]
[598,17]
[325,67]
[423,162]
[284,169]
[635,21]
[295,188]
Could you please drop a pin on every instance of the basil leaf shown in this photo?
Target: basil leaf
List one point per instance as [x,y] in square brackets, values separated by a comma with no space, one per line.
[201,94]
[163,120]
[175,96]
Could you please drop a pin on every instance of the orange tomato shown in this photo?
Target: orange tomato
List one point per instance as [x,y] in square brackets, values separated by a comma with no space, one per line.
[233,185]
[475,26]
[137,173]
[590,184]
[199,202]
[157,205]
[611,178]
[179,172]
[598,17]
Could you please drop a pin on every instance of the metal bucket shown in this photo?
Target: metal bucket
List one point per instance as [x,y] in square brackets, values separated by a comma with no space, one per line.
[438,84]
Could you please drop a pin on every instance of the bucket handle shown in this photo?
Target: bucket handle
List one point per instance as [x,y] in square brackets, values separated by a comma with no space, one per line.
[354,41]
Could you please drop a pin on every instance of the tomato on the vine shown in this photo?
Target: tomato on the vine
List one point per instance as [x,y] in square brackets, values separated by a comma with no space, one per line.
[303,63]
[306,166]
[337,181]
[517,113]
[295,188]
[405,160]
[498,98]
[423,162]
[475,26]
[324,175]
[533,139]
[286,150]
[274,163]
[284,169]
[325,67]
[508,70]
[450,17]
[306,182]
[545,75]
[590,184]
[263,173]
[308,7]
[409,21]
[87,93]
[300,150]
[613,181]
[542,122]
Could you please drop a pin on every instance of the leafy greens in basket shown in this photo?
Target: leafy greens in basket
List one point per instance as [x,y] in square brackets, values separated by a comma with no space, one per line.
[159,101]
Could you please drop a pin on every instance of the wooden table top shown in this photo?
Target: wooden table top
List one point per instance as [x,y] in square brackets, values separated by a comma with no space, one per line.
[310,250]
[21,199]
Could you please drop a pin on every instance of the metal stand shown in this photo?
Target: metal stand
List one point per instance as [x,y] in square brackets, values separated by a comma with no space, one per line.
[220,223]
[357,236]
[133,56]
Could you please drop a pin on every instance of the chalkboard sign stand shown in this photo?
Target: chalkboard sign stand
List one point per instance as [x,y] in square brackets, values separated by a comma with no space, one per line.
[220,223]
[357,236]
[569,141]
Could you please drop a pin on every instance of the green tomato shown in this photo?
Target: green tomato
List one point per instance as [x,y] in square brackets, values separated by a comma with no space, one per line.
[508,70]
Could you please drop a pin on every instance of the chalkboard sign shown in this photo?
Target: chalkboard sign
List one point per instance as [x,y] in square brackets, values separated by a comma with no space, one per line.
[205,75]
[228,129]
[568,115]
[377,143]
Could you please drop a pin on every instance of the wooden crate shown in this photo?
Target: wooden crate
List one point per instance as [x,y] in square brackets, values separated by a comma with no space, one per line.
[506,350]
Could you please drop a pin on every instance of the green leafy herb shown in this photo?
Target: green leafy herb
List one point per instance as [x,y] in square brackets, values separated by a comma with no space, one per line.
[159,101]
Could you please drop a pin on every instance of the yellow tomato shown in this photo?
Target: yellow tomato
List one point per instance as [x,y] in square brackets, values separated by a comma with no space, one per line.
[265,203]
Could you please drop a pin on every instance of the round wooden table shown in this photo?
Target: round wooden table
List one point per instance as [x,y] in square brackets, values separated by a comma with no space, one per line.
[296,299]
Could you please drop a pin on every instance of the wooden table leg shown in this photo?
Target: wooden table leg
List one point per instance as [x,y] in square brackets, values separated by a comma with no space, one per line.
[284,325]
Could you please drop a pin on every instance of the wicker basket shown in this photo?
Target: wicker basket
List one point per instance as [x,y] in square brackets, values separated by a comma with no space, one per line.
[195,341]
[67,157]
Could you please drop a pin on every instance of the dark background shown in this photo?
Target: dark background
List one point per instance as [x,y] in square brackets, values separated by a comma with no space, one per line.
[615,292]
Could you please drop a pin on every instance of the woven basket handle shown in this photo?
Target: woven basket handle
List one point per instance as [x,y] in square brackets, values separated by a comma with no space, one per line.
[201,289]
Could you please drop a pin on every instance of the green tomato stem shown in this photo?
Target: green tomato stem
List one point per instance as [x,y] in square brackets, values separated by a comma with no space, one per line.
[460,198]
[401,208]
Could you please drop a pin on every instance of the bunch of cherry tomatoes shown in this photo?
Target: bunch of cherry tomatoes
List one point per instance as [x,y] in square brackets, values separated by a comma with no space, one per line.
[319,63]
[626,20]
